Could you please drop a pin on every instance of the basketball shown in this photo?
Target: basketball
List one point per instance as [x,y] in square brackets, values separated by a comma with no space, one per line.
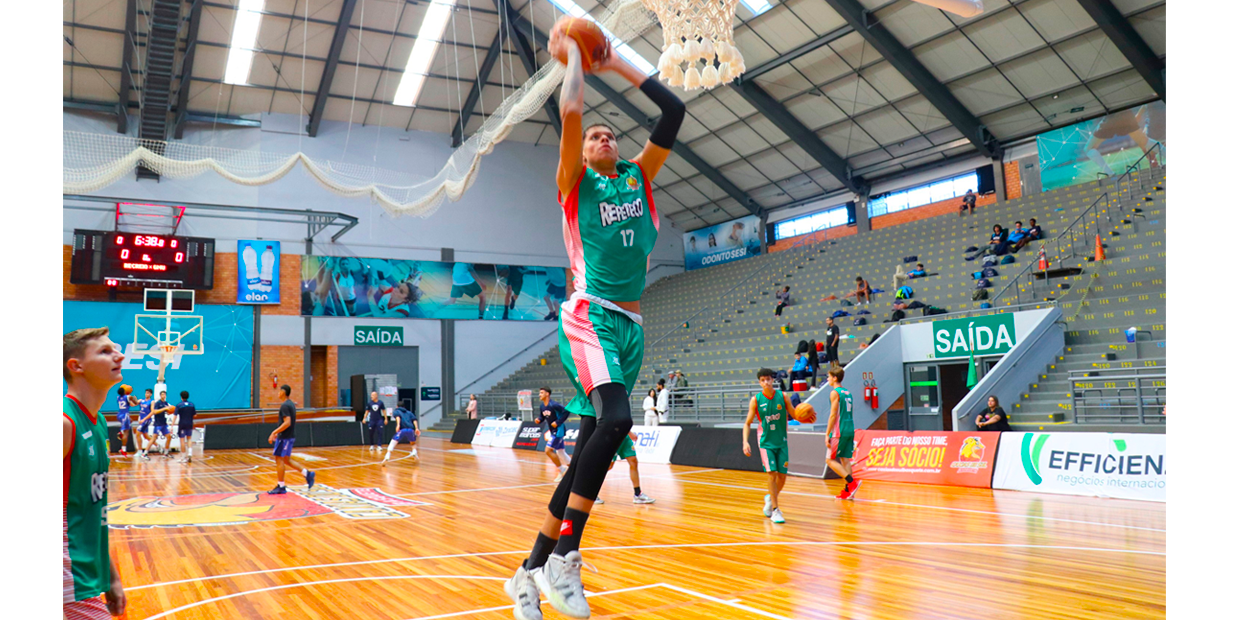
[590,40]
[126,389]
[805,414]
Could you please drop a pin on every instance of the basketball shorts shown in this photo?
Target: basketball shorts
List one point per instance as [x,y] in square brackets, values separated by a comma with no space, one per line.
[843,447]
[626,450]
[405,435]
[283,447]
[124,419]
[516,279]
[597,346]
[146,428]
[87,609]
[467,290]
[160,430]
[556,292]
[184,432]
[776,459]
[555,442]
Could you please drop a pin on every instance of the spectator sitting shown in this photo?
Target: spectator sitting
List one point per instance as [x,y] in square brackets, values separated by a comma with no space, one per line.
[899,276]
[918,272]
[862,292]
[1032,233]
[993,418]
[1017,237]
[969,204]
[800,370]
[996,238]
[783,300]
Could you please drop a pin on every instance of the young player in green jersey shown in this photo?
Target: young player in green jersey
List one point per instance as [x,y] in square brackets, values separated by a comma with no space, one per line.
[610,226]
[92,365]
[774,412]
[840,432]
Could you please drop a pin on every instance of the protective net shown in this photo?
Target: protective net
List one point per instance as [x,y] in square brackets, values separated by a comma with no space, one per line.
[696,33]
[94,161]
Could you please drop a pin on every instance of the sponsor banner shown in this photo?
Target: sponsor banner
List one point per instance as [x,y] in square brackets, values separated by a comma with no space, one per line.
[655,443]
[530,437]
[722,243]
[392,288]
[572,428]
[1122,465]
[926,457]
[1104,147]
[496,433]
[259,272]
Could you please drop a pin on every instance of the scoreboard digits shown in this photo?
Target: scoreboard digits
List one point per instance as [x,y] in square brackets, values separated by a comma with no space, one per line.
[117,258]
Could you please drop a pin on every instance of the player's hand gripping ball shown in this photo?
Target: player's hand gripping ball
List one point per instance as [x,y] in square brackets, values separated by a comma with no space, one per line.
[805,414]
[588,38]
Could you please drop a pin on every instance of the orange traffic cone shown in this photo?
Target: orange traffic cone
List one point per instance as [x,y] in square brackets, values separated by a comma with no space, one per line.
[1098,253]
[1042,265]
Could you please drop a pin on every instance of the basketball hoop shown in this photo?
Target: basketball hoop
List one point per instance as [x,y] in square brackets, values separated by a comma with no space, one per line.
[697,30]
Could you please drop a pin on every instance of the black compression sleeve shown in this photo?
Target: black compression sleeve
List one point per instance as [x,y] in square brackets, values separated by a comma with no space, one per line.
[672,112]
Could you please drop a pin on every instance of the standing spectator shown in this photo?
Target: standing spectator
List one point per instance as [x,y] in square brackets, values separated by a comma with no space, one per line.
[800,370]
[783,300]
[992,418]
[813,358]
[471,408]
[969,204]
[649,415]
[661,402]
[832,336]
[376,418]
[681,383]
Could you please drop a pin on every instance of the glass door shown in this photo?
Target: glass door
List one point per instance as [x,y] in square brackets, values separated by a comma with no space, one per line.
[924,400]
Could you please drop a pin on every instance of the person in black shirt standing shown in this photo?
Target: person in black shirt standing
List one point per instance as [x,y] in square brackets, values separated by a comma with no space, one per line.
[160,425]
[283,440]
[376,419]
[832,336]
[185,411]
[993,418]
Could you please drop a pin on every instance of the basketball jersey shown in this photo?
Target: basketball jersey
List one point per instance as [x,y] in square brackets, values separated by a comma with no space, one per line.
[772,412]
[85,559]
[610,228]
[145,407]
[123,406]
[846,421]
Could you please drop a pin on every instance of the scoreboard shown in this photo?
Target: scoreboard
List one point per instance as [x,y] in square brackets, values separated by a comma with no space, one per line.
[120,259]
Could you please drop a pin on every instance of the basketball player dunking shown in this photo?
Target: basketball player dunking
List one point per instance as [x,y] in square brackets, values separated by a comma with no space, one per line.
[610,227]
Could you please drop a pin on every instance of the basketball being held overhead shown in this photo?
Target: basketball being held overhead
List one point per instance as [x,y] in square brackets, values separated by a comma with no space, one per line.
[126,389]
[805,414]
[590,40]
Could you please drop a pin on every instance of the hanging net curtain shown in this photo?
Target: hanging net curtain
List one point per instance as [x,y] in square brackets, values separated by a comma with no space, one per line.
[92,161]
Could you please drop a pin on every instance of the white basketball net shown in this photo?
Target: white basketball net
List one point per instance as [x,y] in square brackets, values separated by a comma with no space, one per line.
[696,32]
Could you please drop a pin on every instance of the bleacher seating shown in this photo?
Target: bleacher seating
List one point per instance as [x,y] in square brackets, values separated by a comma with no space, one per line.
[732,330]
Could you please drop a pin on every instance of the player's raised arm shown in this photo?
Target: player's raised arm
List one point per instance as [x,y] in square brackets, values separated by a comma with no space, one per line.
[672,112]
[570,168]
[752,413]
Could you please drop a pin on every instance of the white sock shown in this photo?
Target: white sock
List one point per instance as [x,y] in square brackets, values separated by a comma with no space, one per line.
[282,484]
[391,448]
[304,472]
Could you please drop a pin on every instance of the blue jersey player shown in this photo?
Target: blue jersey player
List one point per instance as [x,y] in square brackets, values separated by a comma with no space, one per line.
[552,416]
[145,425]
[124,401]
[406,431]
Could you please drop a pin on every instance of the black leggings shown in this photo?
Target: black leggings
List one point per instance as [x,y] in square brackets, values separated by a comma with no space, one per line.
[598,439]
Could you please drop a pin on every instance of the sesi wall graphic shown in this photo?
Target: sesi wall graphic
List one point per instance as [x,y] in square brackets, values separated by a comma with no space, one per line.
[1122,465]
[722,243]
[1104,147]
[258,272]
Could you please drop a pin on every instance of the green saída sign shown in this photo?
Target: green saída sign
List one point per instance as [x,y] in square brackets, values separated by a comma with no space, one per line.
[991,334]
[366,336]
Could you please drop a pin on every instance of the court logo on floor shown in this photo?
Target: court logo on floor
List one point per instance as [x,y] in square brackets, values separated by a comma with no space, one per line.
[215,509]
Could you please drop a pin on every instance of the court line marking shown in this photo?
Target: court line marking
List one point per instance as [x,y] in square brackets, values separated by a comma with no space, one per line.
[310,583]
[167,475]
[970,510]
[503,607]
[795,543]
[733,603]
[546,484]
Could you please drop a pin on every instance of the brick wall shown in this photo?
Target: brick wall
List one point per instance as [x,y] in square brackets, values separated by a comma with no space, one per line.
[813,237]
[288,363]
[942,207]
[1011,177]
[325,384]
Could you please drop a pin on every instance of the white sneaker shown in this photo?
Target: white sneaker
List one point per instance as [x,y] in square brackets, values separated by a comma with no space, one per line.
[777,518]
[642,498]
[598,500]
[386,458]
[524,592]
[563,470]
[768,505]
[560,580]
[373,448]
[414,456]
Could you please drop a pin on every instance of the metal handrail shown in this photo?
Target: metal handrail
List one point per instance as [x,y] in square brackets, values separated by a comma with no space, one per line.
[1055,241]
[1082,400]
[1127,171]
[1012,308]
[505,362]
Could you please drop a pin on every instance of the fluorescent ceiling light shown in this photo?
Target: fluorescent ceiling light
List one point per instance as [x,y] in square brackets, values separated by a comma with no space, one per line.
[432,27]
[757,6]
[243,40]
[632,57]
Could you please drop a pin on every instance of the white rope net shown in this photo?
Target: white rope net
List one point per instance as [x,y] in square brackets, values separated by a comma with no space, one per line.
[694,31]
[93,161]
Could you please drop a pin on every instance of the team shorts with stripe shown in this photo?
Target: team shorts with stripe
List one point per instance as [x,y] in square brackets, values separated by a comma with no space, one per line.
[597,346]
[124,420]
[776,459]
[160,430]
[87,609]
[283,447]
[843,447]
[555,442]
[626,450]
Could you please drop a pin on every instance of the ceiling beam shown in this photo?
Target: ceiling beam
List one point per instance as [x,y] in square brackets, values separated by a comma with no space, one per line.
[640,117]
[805,138]
[128,56]
[188,61]
[528,59]
[901,58]
[332,64]
[796,53]
[1128,41]
[475,93]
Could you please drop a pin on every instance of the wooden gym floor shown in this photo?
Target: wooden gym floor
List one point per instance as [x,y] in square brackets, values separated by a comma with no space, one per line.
[199,542]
